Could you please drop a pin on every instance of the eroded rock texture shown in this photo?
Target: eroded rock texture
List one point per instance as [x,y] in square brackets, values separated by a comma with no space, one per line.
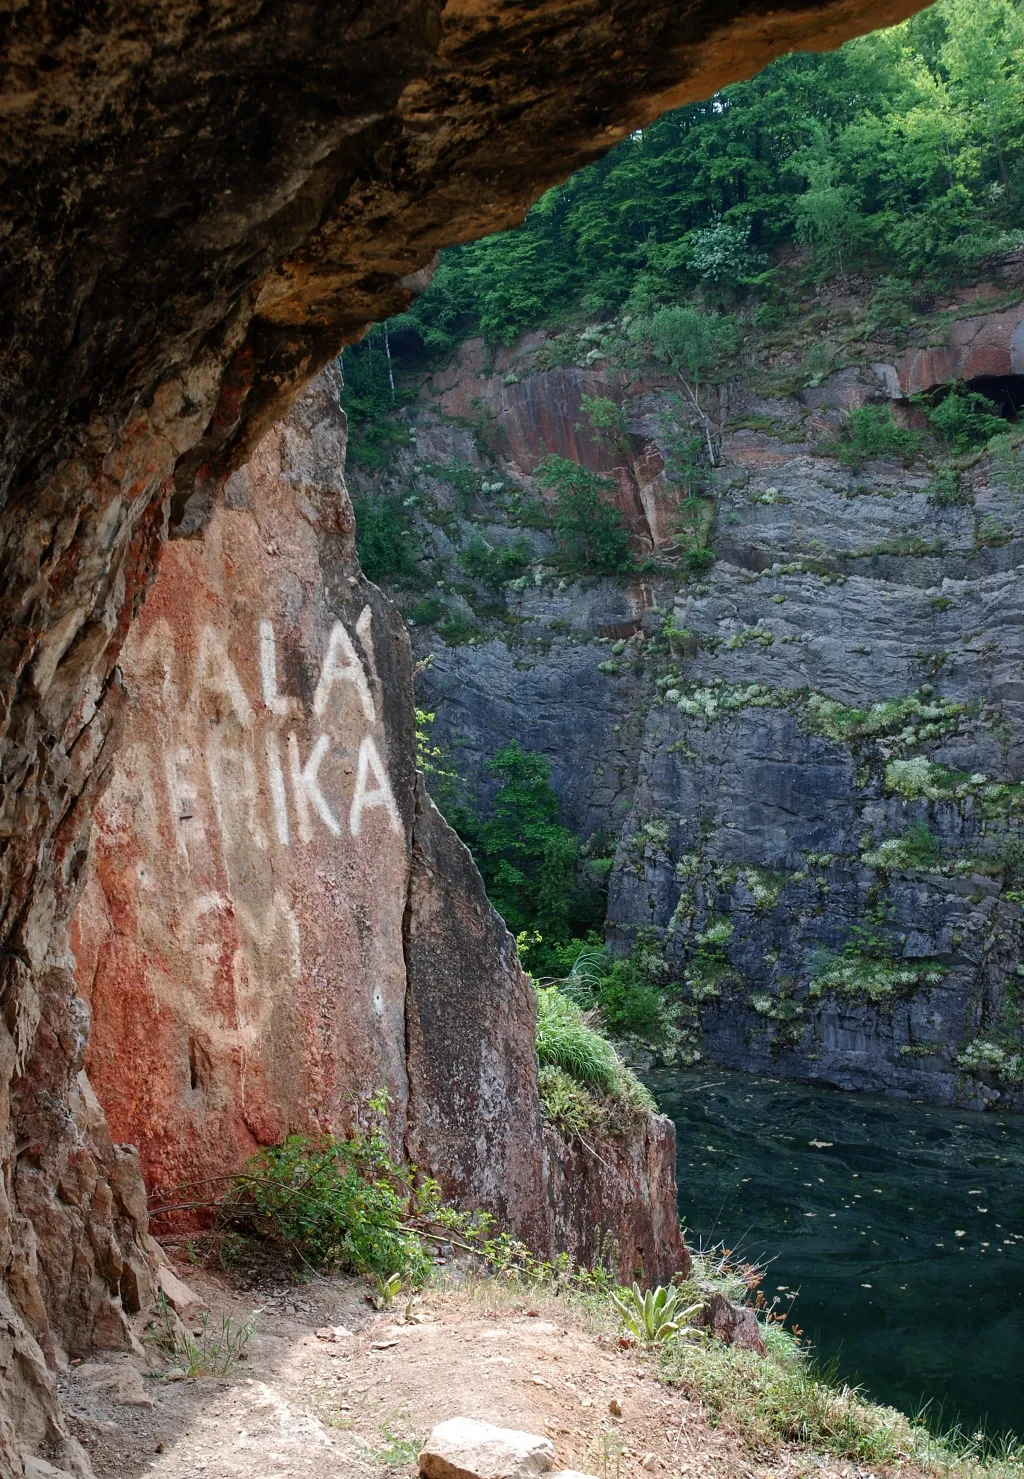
[277,922]
[198,207]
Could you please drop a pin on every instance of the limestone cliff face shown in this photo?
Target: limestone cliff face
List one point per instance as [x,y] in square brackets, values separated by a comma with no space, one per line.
[761,746]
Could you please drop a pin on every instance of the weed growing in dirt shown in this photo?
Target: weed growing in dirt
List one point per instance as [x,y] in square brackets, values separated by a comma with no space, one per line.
[655,1316]
[398,1448]
[214,1351]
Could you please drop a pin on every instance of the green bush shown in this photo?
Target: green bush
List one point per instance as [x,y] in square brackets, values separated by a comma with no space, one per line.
[427,611]
[870,431]
[457,629]
[340,1205]
[591,535]
[567,1105]
[385,542]
[946,489]
[495,565]
[917,848]
[964,419]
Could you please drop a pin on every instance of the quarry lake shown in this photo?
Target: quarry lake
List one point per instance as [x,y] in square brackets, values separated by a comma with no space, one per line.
[898,1227]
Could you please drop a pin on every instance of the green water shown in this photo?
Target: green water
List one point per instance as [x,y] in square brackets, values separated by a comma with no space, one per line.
[900,1233]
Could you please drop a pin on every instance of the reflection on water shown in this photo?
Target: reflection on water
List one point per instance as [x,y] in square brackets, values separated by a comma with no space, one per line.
[899,1227]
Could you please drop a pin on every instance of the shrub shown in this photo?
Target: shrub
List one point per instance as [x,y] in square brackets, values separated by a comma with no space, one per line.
[946,490]
[965,419]
[427,611]
[590,531]
[340,1205]
[457,629]
[917,848]
[870,431]
[494,565]
[630,1006]
[385,543]
[567,1105]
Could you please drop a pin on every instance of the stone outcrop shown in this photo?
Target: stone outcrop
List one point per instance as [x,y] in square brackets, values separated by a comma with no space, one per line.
[278,923]
[199,207]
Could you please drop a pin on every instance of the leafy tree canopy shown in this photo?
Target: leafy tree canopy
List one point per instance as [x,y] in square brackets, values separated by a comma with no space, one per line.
[907,145]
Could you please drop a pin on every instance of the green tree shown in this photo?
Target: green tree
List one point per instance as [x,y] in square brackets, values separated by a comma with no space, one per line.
[530,863]
[590,530]
[386,543]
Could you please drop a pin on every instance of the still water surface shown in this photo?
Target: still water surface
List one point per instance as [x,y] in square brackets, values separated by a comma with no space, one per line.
[899,1227]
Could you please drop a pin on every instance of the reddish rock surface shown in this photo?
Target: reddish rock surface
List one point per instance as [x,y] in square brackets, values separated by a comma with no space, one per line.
[277,921]
[991,344]
[240,937]
[543,414]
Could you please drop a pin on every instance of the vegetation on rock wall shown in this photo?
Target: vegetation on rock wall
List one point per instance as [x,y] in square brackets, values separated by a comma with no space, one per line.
[906,146]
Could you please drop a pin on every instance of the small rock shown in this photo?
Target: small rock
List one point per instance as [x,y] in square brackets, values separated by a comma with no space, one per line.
[122,1383]
[333,1332]
[732,1323]
[382,1345]
[650,1462]
[571,1474]
[615,1407]
[464,1448]
[38,1468]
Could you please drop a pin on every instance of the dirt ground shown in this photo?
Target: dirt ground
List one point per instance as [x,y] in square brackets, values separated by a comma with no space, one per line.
[311,1407]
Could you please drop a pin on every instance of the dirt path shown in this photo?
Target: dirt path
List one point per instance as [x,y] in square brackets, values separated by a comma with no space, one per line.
[312,1408]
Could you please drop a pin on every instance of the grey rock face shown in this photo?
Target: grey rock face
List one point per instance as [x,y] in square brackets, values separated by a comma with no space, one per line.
[807,723]
[762,740]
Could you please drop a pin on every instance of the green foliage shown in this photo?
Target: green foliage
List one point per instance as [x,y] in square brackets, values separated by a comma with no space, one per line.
[722,258]
[946,489]
[212,1350]
[385,541]
[1007,463]
[495,565]
[369,399]
[427,611]
[691,341]
[457,629]
[917,848]
[904,146]
[604,415]
[585,1088]
[630,1005]
[340,1205]
[870,431]
[565,1041]
[530,863]
[655,1316]
[446,786]
[591,534]
[965,419]
[568,1105]
[918,716]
